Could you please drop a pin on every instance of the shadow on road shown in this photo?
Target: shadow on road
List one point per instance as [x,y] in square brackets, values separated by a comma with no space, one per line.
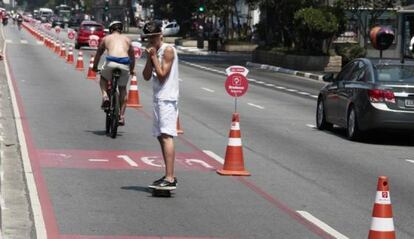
[101,132]
[392,138]
[137,189]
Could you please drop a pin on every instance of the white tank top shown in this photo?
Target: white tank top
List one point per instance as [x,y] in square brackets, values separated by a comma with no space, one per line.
[169,90]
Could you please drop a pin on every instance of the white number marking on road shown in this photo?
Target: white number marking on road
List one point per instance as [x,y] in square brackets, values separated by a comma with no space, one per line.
[207,89]
[98,160]
[127,159]
[257,106]
[23,42]
[190,162]
[151,161]
[214,156]
[321,225]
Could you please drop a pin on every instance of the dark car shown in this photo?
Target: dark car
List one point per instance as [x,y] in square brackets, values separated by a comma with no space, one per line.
[57,21]
[368,94]
[86,29]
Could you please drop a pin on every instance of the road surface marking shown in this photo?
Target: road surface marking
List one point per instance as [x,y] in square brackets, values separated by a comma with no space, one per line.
[314,96]
[281,87]
[214,156]
[127,159]
[23,42]
[39,43]
[292,90]
[409,160]
[260,82]
[204,68]
[257,106]
[270,85]
[181,80]
[207,89]
[311,126]
[321,225]
[252,80]
[39,222]
[303,93]
[98,160]
[9,41]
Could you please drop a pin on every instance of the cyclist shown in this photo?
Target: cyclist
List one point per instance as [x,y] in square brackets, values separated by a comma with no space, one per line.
[120,56]
[19,21]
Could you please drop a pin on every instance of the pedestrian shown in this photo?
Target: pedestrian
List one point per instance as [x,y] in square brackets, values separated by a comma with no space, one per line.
[162,68]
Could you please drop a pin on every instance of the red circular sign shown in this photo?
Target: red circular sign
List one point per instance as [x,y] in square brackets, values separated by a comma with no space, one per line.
[93,42]
[71,35]
[138,52]
[236,85]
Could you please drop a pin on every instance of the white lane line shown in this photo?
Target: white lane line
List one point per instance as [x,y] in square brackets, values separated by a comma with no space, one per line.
[257,106]
[127,159]
[314,96]
[204,68]
[252,80]
[281,87]
[303,93]
[39,222]
[214,156]
[23,42]
[9,41]
[39,43]
[270,85]
[260,82]
[322,225]
[409,160]
[311,126]
[292,90]
[207,89]
[98,160]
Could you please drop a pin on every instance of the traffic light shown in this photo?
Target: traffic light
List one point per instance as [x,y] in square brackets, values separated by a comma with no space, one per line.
[202,8]
[106,7]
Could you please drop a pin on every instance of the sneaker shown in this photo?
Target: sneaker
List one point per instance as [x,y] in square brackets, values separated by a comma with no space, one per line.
[163,184]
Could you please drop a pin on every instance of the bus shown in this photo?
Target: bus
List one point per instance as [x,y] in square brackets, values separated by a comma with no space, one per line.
[63,12]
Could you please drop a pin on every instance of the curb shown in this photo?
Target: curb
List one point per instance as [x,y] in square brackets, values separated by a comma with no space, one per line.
[286,71]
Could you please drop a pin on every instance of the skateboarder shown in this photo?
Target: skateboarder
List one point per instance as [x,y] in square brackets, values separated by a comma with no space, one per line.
[162,68]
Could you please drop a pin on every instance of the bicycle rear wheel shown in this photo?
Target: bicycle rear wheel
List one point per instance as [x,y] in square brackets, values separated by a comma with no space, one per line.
[114,121]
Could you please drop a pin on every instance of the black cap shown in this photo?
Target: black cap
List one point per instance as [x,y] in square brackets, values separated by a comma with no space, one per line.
[153,28]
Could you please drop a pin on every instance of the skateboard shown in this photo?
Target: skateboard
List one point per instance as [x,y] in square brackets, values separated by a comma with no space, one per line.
[161,192]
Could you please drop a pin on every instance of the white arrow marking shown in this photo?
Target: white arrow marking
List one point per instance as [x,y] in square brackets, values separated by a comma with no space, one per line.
[201,162]
[127,159]
[150,161]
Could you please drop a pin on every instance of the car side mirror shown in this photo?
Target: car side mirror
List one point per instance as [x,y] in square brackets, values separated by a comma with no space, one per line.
[328,77]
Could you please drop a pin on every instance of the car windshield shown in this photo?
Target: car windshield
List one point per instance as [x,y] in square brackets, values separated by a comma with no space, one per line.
[92,28]
[395,73]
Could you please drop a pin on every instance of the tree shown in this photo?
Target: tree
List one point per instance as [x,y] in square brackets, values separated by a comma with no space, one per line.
[313,27]
[367,12]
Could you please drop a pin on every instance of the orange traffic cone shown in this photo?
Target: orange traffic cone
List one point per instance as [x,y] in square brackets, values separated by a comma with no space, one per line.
[70,59]
[179,129]
[133,94]
[91,73]
[57,47]
[234,162]
[79,62]
[382,224]
[63,51]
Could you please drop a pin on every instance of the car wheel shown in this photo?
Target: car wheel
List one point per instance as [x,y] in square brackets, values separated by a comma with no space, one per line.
[353,131]
[321,123]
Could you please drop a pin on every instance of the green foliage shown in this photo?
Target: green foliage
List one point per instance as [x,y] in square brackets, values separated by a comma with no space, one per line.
[313,26]
[350,51]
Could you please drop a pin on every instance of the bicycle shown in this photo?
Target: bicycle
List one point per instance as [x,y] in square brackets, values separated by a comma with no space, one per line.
[113,111]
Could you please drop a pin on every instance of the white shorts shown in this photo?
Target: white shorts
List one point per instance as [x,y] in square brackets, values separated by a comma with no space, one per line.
[165,114]
[109,66]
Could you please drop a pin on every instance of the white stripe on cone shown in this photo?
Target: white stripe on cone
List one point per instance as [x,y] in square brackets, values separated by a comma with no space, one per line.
[235,126]
[382,224]
[235,142]
[383,197]
[133,87]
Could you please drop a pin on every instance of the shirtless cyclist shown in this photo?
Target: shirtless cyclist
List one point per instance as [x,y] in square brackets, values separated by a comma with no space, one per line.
[120,56]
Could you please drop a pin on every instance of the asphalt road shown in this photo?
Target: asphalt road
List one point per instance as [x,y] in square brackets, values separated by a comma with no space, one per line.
[91,185]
